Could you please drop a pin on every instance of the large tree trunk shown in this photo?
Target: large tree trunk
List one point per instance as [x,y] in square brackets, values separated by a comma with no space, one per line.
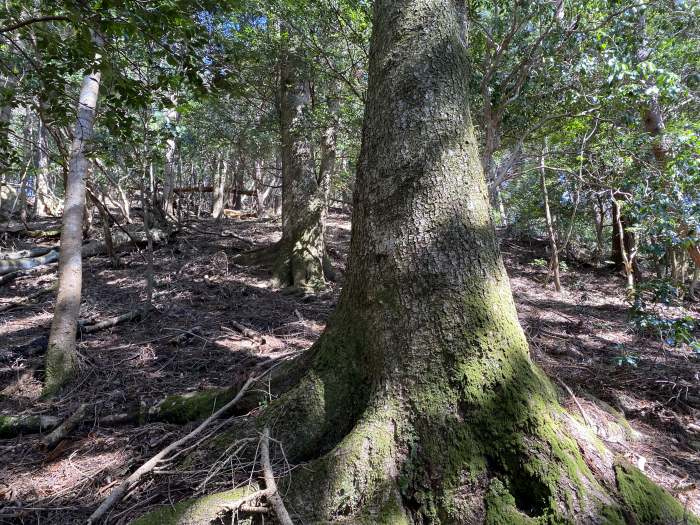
[61,357]
[421,404]
[301,250]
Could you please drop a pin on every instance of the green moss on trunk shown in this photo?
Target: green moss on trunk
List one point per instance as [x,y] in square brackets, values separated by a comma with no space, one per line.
[198,511]
[648,503]
[180,409]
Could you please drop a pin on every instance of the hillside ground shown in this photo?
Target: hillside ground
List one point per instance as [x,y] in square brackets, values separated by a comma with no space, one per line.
[641,397]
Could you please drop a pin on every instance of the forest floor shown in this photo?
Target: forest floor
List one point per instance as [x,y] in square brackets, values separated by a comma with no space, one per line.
[581,337]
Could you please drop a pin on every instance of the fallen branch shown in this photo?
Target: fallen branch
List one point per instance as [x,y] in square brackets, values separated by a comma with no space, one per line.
[65,428]
[229,233]
[270,491]
[274,497]
[120,491]
[88,328]
[28,298]
[247,332]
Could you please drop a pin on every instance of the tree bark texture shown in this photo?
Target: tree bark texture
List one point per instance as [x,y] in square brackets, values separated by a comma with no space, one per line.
[421,404]
[304,195]
[61,357]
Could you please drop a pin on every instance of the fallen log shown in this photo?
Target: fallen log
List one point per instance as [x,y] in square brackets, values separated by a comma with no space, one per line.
[39,234]
[11,426]
[24,254]
[18,227]
[120,240]
[13,265]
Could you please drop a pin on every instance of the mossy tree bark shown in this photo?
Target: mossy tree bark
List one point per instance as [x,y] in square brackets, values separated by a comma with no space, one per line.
[419,403]
[300,252]
[436,398]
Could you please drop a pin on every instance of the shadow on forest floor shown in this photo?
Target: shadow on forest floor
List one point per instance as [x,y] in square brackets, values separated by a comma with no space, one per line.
[576,336]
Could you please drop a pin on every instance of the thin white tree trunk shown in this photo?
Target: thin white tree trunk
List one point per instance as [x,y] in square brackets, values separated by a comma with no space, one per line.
[42,207]
[554,261]
[219,188]
[61,357]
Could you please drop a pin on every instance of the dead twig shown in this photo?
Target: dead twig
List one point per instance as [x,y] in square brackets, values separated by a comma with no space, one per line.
[580,408]
[247,332]
[120,491]
[65,428]
[274,498]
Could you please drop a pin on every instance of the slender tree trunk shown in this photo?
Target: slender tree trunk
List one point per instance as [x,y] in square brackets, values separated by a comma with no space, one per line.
[169,178]
[301,250]
[9,84]
[61,357]
[599,219]
[260,192]
[554,256]
[626,256]
[42,207]
[219,188]
[170,171]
